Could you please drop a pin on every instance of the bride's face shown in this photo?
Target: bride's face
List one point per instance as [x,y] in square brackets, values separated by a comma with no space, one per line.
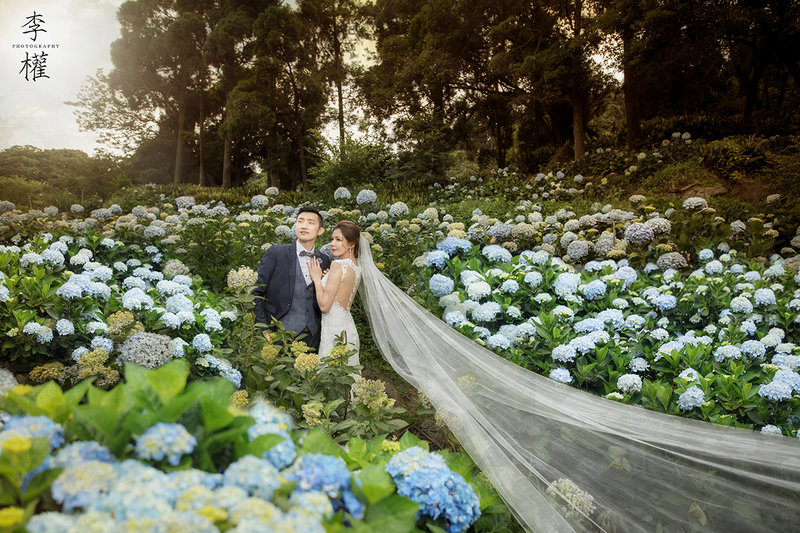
[339,245]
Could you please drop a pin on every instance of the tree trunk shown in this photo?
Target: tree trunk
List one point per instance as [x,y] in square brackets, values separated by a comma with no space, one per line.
[633,126]
[751,83]
[201,171]
[226,164]
[578,134]
[301,151]
[337,53]
[176,178]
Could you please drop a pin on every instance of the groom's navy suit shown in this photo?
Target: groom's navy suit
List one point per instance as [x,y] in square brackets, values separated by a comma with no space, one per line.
[284,295]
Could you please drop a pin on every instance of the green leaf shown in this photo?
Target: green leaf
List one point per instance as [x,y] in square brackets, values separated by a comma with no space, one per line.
[40,483]
[169,380]
[52,401]
[356,448]
[409,439]
[317,441]
[375,484]
[8,492]
[215,416]
[393,514]
[259,445]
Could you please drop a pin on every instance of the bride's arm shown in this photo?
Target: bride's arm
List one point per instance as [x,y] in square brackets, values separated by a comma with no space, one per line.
[325,295]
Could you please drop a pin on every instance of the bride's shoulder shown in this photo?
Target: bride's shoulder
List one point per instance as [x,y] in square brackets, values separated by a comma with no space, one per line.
[345,263]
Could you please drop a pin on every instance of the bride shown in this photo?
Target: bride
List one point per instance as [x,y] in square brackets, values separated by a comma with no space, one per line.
[337,289]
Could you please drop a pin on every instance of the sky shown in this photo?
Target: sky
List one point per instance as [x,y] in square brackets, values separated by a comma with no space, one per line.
[33,112]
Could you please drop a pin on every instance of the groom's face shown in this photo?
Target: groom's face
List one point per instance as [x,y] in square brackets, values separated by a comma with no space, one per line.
[308,227]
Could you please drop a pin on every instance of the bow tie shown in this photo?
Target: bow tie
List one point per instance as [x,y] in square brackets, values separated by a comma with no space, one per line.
[306,253]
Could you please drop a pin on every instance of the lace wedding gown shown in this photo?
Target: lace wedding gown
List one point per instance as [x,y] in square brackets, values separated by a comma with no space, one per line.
[338,321]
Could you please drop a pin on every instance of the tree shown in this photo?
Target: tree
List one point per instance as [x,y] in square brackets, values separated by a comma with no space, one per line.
[107,112]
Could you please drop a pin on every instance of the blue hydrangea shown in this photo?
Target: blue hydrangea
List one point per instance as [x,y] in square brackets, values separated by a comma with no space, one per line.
[136,299]
[742,305]
[776,391]
[255,475]
[614,317]
[638,364]
[487,312]
[341,193]
[102,342]
[179,302]
[366,196]
[468,277]
[665,302]
[764,297]
[500,342]
[202,342]
[769,429]
[53,257]
[534,279]
[727,351]
[583,344]
[312,503]
[691,398]
[714,267]
[787,376]
[481,332]
[454,317]
[70,291]
[327,474]
[171,320]
[513,311]
[32,427]
[629,383]
[689,374]
[282,454]
[440,285]
[510,286]
[588,325]
[753,348]
[478,290]
[493,252]
[81,484]
[564,353]
[626,274]
[748,327]
[561,375]
[165,441]
[451,245]
[705,254]
[566,284]
[440,492]
[594,289]
[436,259]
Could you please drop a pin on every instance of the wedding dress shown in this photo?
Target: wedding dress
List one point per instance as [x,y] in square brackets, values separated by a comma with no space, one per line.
[338,321]
[565,460]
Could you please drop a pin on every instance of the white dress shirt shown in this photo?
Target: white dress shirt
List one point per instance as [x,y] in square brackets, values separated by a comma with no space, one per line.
[304,262]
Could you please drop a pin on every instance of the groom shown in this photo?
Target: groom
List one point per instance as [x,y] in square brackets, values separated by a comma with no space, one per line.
[285,291]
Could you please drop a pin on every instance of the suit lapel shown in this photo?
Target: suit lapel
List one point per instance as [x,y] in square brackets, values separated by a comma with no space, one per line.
[294,263]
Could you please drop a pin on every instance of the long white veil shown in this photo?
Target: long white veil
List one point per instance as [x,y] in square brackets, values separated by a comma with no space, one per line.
[566,460]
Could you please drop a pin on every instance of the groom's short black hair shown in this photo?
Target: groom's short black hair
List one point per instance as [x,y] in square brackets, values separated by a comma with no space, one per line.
[311,209]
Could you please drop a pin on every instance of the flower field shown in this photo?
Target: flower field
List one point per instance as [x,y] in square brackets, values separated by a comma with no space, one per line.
[660,303]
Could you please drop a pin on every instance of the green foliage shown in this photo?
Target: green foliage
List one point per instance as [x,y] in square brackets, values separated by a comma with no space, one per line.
[352,165]
[734,157]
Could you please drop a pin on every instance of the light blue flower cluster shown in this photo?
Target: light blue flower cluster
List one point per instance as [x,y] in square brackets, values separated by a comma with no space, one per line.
[424,478]
[255,475]
[691,398]
[487,312]
[493,252]
[764,297]
[282,454]
[165,441]
[436,258]
[752,348]
[366,196]
[510,286]
[33,427]
[398,209]
[451,245]
[225,369]
[326,474]
[629,383]
[566,284]
[727,351]
[561,375]
[43,333]
[440,285]
[594,289]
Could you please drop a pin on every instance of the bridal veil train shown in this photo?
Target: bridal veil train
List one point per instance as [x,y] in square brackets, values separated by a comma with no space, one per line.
[566,460]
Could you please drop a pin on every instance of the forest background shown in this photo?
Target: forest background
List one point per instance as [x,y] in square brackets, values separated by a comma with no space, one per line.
[230,92]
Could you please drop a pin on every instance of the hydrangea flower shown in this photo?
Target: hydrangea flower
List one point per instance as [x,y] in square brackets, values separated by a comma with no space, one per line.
[341,193]
[629,383]
[753,348]
[564,353]
[478,290]
[566,284]
[33,427]
[691,398]
[561,375]
[366,196]
[424,478]
[255,475]
[776,390]
[496,253]
[436,259]
[594,289]
[165,441]
[764,297]
[487,312]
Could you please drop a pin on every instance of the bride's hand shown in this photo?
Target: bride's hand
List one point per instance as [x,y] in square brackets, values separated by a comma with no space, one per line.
[315,270]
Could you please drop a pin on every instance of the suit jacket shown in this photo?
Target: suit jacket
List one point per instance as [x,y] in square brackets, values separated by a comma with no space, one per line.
[276,276]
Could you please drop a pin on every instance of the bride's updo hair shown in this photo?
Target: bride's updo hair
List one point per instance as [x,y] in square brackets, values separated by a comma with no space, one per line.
[351,233]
